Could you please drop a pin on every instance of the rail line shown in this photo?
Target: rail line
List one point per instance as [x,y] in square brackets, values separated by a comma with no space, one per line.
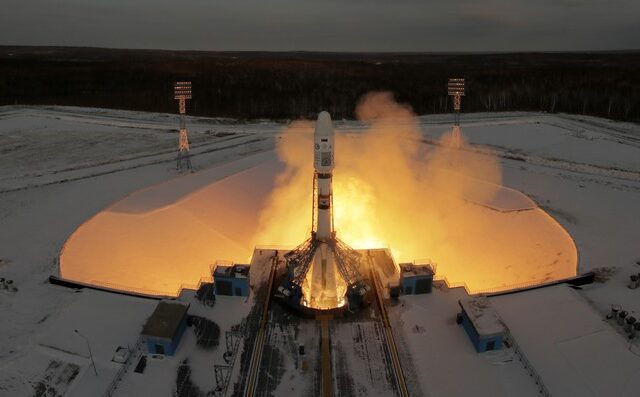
[258,347]
[325,352]
[388,332]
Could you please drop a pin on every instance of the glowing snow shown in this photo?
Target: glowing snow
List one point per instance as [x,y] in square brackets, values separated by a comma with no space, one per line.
[160,238]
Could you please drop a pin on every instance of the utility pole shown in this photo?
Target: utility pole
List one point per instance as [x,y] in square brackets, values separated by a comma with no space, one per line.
[95,371]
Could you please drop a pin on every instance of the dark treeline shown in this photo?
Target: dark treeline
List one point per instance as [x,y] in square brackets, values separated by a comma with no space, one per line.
[291,85]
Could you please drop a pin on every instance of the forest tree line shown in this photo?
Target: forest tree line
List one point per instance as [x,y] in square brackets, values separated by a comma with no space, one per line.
[297,85]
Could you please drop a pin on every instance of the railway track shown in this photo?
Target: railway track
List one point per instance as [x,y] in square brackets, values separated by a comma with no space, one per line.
[258,347]
[388,331]
[253,376]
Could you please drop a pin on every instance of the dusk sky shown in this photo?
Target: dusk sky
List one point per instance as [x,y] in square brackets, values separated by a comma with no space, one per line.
[330,25]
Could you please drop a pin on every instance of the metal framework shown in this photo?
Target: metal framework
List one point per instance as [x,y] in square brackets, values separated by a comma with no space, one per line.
[456,90]
[222,373]
[314,220]
[299,260]
[348,261]
[231,339]
[182,92]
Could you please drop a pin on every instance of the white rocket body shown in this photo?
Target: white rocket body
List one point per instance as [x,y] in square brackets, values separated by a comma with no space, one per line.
[324,286]
[324,163]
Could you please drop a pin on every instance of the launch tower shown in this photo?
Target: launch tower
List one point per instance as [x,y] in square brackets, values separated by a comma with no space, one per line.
[323,272]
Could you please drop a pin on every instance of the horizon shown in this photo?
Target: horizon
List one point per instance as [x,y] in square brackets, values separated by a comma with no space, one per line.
[330,26]
[488,52]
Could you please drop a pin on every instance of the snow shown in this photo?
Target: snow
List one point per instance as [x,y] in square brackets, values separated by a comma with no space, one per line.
[582,141]
[504,199]
[204,217]
[48,145]
[159,378]
[444,361]
[189,220]
[582,171]
[106,320]
[580,354]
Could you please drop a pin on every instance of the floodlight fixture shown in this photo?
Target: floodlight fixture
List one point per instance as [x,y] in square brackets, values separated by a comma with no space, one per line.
[456,87]
[182,90]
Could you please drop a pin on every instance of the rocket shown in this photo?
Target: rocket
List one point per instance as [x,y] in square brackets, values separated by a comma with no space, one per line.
[323,271]
[323,162]
[323,274]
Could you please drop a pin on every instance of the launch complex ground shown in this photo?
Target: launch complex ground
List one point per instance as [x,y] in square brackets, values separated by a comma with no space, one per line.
[324,277]
[559,343]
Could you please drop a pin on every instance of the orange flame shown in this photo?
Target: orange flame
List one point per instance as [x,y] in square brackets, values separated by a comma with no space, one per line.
[391,190]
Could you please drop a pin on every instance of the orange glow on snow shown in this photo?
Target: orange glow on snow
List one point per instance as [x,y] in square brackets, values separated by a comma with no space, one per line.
[390,190]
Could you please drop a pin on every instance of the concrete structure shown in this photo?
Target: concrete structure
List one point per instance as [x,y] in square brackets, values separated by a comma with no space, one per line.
[232,280]
[165,327]
[484,327]
[416,279]
[394,289]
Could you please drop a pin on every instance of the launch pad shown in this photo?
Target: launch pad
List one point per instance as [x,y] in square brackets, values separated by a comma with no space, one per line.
[326,276]
[324,273]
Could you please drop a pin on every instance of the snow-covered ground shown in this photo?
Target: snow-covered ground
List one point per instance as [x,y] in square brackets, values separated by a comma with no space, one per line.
[580,354]
[61,166]
[444,361]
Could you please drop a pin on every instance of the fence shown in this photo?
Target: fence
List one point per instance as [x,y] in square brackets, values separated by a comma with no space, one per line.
[504,287]
[134,290]
[133,355]
[527,365]
[185,380]
[154,293]
[105,285]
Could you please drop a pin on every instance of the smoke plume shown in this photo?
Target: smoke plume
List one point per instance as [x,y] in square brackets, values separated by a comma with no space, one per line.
[423,201]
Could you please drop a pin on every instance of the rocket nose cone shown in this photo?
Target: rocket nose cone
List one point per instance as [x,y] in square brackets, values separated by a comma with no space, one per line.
[324,116]
[324,125]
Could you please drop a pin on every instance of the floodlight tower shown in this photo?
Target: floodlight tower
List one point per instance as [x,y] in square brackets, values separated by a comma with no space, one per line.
[182,92]
[456,90]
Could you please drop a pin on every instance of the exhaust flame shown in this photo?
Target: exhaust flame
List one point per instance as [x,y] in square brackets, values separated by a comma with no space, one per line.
[387,187]
[391,190]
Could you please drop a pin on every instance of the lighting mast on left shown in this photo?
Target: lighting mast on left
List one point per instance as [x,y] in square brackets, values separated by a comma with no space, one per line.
[182,92]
